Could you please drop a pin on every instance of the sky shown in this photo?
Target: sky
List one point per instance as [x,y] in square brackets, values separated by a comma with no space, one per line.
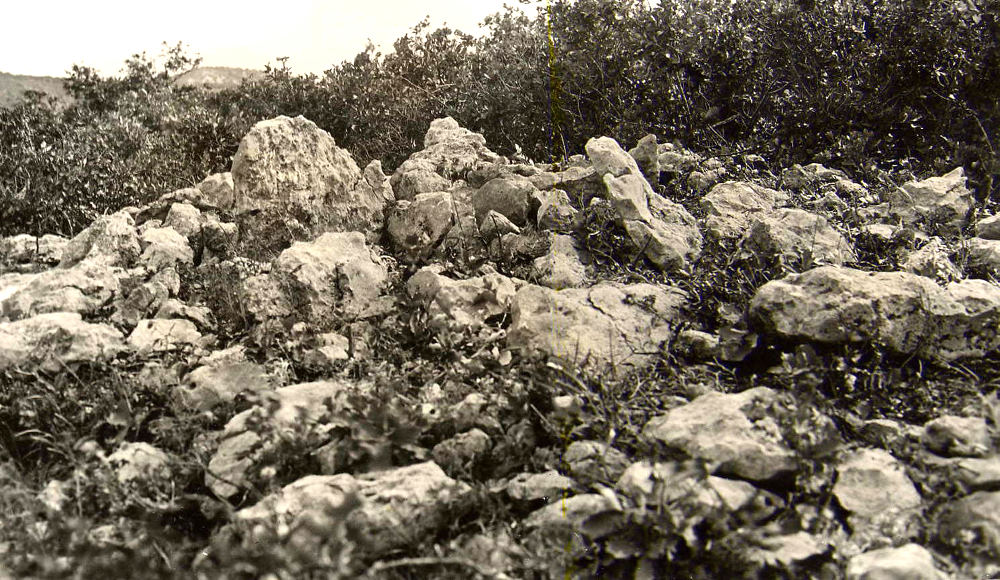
[47,37]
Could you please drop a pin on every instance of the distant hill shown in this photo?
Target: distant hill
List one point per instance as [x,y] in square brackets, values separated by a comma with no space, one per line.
[216,77]
[12,87]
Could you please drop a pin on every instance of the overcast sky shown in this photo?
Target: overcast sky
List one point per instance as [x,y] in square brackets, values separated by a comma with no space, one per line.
[46,37]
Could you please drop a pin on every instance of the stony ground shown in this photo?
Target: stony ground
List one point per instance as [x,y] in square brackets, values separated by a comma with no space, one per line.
[637,363]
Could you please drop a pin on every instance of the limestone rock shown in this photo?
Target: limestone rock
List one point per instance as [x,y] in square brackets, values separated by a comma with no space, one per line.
[984,254]
[570,512]
[989,228]
[51,342]
[135,462]
[415,177]
[450,151]
[110,240]
[797,236]
[28,249]
[161,335]
[84,288]
[512,196]
[646,155]
[973,522]
[186,220]
[556,213]
[952,436]
[933,261]
[391,509]
[943,200]
[462,305]
[335,276]
[875,489]
[146,298]
[564,266]
[494,225]
[548,486]
[416,228]
[294,168]
[241,447]
[462,451]
[731,205]
[218,190]
[592,462]
[903,312]
[581,183]
[730,431]
[212,384]
[608,324]
[909,562]
[609,157]
[797,177]
[165,248]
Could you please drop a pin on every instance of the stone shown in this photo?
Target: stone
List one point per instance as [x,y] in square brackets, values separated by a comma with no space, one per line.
[161,335]
[165,248]
[450,151]
[797,177]
[579,182]
[607,156]
[134,462]
[972,523]
[218,190]
[697,345]
[28,249]
[983,254]
[729,207]
[241,447]
[988,228]
[952,436]
[54,341]
[84,288]
[570,512]
[705,180]
[218,238]
[978,473]
[607,325]
[416,228]
[110,240]
[592,462]
[796,236]
[390,509]
[548,486]
[932,261]
[513,196]
[564,266]
[415,177]
[336,276]
[908,562]
[463,451]
[732,432]
[494,225]
[213,384]
[944,201]
[646,155]
[173,308]
[146,298]
[461,305]
[903,312]
[883,433]
[294,168]
[186,220]
[377,181]
[556,213]
[874,487]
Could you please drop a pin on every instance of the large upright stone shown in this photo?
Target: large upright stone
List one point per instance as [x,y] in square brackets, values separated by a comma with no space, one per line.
[450,152]
[294,170]
[663,230]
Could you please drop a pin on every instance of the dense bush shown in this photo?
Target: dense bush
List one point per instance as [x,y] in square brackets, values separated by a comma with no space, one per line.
[855,83]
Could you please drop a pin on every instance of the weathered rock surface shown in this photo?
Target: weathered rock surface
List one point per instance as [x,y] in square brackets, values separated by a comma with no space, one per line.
[665,232]
[556,213]
[608,324]
[594,462]
[165,248]
[213,384]
[730,431]
[163,335]
[51,342]
[798,177]
[335,276]
[462,305]
[26,249]
[988,228]
[83,288]
[903,312]
[513,196]
[795,235]
[111,240]
[944,201]
[731,205]
[295,169]
[219,190]
[871,484]
[416,228]
[564,266]
[392,508]
[973,522]
[450,152]
[547,486]
[909,562]
[952,436]
[933,261]
[135,462]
